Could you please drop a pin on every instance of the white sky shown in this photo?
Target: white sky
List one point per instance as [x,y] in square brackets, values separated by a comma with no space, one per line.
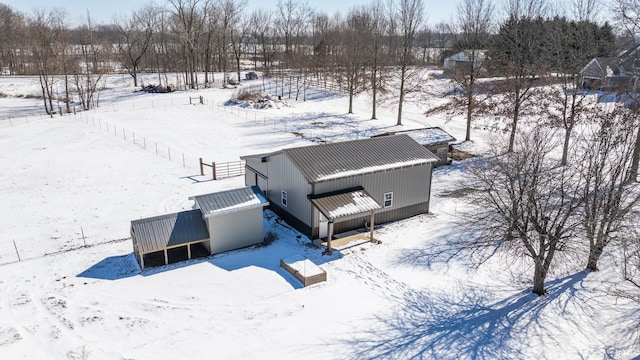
[103,11]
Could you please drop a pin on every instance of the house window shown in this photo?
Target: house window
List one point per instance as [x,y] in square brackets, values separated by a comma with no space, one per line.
[388,199]
[284,198]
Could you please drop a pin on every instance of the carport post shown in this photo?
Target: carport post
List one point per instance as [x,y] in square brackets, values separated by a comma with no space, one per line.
[141,261]
[329,236]
[189,251]
[166,257]
[372,225]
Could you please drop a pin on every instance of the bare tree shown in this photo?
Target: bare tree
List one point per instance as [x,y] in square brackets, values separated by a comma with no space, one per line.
[627,16]
[44,40]
[411,15]
[235,28]
[518,53]
[526,203]
[88,75]
[379,28]
[136,33]
[474,25]
[188,25]
[12,28]
[608,199]
[572,45]
[211,28]
[356,35]
[587,10]
[261,30]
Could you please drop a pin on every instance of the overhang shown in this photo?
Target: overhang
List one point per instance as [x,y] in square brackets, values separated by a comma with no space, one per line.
[353,201]
[169,231]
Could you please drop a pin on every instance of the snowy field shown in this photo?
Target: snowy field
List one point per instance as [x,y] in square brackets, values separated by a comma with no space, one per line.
[80,179]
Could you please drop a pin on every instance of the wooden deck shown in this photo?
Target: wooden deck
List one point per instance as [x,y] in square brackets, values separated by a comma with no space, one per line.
[347,239]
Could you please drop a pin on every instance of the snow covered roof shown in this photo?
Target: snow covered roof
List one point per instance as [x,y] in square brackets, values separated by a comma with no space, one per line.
[349,202]
[166,231]
[426,136]
[348,158]
[229,201]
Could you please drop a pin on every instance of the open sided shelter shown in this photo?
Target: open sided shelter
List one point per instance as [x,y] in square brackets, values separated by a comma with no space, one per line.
[337,187]
[161,234]
[434,139]
[222,221]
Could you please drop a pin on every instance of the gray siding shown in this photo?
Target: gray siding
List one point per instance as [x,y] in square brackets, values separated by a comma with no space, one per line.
[235,230]
[410,187]
[285,176]
[441,151]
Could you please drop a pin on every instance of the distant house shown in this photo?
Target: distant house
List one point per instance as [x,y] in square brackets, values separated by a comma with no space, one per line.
[461,62]
[434,139]
[331,188]
[222,221]
[612,73]
[600,72]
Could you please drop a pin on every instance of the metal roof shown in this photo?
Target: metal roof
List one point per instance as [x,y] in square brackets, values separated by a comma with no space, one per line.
[351,202]
[342,159]
[229,201]
[425,136]
[160,232]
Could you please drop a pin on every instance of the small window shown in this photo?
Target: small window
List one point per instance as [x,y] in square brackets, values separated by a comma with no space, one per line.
[388,199]
[284,198]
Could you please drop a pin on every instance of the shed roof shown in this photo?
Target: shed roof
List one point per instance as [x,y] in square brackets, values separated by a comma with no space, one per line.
[229,201]
[160,232]
[426,136]
[343,159]
[349,202]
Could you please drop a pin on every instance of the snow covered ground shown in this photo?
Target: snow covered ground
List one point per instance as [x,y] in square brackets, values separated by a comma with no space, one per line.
[75,180]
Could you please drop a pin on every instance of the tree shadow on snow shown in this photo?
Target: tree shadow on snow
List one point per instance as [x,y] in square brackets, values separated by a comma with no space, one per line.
[468,326]
[113,268]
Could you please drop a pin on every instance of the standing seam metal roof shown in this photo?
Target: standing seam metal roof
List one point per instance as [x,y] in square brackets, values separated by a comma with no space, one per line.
[318,162]
[345,204]
[230,201]
[160,232]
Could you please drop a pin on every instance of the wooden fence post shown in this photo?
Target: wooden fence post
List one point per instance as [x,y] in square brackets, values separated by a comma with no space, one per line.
[213,167]
[201,168]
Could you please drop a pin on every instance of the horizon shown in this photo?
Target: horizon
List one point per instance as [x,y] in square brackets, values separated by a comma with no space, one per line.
[105,12]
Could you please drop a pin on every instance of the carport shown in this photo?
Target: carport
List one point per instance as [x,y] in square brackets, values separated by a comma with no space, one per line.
[168,236]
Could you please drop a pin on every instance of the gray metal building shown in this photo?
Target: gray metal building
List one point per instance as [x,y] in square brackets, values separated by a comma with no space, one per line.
[222,221]
[233,218]
[332,188]
[434,139]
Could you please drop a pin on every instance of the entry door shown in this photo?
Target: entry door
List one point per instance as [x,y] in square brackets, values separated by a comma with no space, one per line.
[323,226]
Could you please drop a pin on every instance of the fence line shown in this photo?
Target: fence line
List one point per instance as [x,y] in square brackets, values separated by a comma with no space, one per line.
[155,147]
[12,252]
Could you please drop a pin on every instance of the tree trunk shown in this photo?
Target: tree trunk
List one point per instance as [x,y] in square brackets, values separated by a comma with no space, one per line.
[595,250]
[635,160]
[402,75]
[516,115]
[469,111]
[374,87]
[539,276]
[350,98]
[565,146]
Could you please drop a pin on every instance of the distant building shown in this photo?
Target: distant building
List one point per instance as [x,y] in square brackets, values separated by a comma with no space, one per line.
[612,73]
[461,62]
[434,139]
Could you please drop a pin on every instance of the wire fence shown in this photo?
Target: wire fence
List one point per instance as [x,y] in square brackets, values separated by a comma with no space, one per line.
[155,147]
[12,251]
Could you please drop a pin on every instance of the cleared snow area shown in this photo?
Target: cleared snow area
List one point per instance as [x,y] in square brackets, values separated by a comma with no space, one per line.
[75,180]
